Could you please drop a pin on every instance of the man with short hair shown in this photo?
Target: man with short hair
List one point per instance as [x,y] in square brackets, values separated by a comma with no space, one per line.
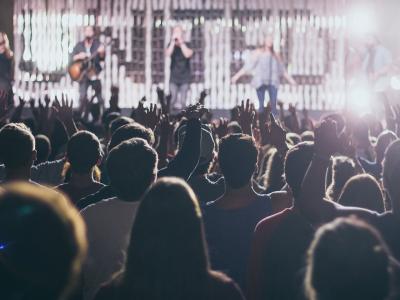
[17,151]
[132,168]
[230,220]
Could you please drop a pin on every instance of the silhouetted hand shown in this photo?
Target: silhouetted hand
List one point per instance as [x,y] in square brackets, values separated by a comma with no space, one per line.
[276,135]
[63,109]
[195,111]
[326,141]
[203,95]
[246,116]
[152,116]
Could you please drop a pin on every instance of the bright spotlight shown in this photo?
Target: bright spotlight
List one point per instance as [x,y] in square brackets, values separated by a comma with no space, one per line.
[395,83]
[361,21]
[359,100]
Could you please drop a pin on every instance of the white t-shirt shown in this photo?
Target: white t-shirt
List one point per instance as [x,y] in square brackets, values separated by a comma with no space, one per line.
[109,224]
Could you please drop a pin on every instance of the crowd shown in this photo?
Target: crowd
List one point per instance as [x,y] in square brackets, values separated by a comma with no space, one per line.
[96,205]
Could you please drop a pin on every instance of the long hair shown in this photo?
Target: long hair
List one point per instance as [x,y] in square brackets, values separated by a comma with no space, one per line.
[8,52]
[167,257]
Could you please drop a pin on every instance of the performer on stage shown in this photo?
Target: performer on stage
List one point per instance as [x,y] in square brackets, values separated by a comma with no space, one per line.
[266,68]
[376,64]
[6,67]
[180,54]
[83,50]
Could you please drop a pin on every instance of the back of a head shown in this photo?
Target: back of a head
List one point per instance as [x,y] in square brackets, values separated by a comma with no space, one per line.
[17,146]
[385,138]
[132,168]
[43,148]
[83,152]
[343,168]
[237,158]
[297,162]
[362,191]
[391,171]
[293,138]
[108,118]
[348,260]
[42,243]
[167,238]
[307,136]
[130,131]
[119,122]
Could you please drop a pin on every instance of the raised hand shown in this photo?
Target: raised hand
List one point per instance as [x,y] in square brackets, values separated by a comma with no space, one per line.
[326,141]
[64,112]
[203,95]
[275,134]
[63,109]
[152,116]
[246,116]
[195,111]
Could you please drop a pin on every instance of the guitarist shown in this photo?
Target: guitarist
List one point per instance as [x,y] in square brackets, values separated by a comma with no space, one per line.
[89,47]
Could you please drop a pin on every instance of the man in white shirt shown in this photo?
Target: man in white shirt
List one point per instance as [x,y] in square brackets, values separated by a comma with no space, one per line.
[132,168]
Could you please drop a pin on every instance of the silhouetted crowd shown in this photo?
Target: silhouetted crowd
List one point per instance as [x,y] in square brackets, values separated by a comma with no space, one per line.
[95,205]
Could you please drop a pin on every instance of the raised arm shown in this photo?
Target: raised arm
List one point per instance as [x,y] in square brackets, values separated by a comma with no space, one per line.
[185,162]
[313,187]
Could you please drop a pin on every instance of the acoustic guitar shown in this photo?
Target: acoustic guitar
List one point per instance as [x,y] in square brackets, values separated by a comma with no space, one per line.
[79,68]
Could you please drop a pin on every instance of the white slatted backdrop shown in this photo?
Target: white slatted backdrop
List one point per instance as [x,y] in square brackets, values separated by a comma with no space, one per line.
[309,35]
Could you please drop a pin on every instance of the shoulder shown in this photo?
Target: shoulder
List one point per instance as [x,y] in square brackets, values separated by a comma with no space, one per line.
[93,209]
[107,291]
[267,224]
[224,287]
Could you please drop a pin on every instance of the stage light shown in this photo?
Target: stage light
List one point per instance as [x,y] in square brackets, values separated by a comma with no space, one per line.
[361,21]
[359,100]
[395,83]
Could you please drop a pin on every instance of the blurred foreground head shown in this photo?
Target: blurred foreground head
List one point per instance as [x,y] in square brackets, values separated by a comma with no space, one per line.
[42,243]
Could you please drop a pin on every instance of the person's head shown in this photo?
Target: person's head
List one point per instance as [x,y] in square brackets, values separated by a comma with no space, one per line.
[293,138]
[234,127]
[237,158]
[360,131]
[297,161]
[307,136]
[42,243]
[17,146]
[362,191]
[348,260]
[119,122]
[5,45]
[343,168]
[371,40]
[177,31]
[43,148]
[83,152]
[89,32]
[385,138]
[132,168]
[269,43]
[130,131]
[391,173]
[167,238]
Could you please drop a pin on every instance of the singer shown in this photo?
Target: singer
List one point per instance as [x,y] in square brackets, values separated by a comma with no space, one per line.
[266,68]
[180,54]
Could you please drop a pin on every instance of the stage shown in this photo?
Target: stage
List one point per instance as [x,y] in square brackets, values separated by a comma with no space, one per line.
[311,38]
